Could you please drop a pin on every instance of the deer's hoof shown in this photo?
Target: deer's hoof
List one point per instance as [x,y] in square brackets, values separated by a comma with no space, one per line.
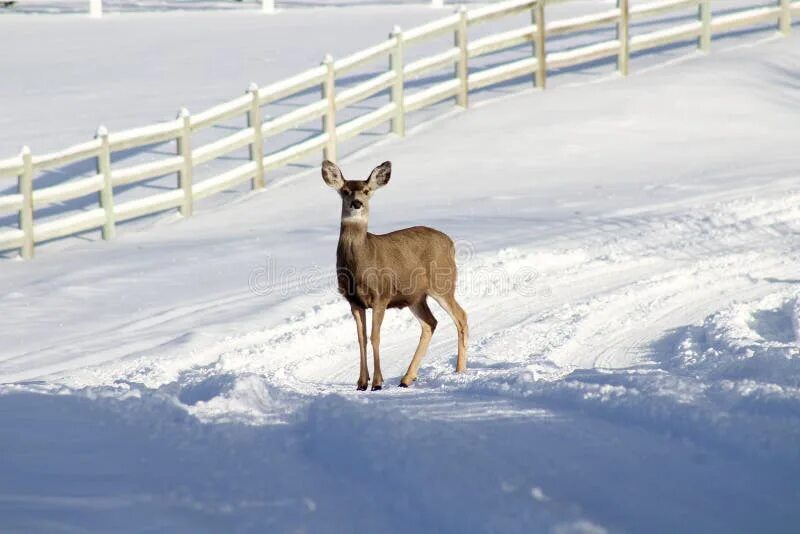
[405,381]
[377,388]
[359,387]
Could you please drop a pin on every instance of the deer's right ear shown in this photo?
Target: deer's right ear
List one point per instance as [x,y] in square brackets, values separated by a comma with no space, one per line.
[332,175]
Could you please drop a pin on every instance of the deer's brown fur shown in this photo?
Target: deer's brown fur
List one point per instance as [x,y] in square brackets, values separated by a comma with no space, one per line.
[395,270]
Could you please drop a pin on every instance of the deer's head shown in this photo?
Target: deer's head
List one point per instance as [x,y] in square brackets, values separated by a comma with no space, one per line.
[355,194]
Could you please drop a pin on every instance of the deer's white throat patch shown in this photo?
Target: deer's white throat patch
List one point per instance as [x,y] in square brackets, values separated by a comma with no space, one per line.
[354,216]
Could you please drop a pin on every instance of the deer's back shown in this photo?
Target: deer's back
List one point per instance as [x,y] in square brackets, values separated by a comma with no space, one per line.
[414,247]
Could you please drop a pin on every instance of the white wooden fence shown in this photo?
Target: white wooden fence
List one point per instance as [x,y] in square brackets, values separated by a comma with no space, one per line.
[108,177]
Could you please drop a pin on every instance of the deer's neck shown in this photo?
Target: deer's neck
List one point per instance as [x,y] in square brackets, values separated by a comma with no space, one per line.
[352,240]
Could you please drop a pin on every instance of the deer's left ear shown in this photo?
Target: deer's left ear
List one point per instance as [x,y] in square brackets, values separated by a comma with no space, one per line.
[380,175]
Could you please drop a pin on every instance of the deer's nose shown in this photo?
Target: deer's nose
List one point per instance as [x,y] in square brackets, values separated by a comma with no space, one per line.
[356,204]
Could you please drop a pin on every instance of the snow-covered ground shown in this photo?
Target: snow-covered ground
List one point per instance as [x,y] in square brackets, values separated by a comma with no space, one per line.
[132,6]
[628,253]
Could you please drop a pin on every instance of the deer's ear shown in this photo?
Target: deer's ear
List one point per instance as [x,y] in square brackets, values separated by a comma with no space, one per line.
[332,175]
[380,175]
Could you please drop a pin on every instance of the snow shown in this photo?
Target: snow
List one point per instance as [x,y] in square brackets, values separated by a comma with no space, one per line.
[133,6]
[628,254]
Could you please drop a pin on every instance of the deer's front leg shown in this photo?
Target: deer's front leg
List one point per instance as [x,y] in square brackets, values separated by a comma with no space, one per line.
[377,318]
[360,315]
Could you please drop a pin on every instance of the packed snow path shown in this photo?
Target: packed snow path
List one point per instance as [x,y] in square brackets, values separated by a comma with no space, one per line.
[629,259]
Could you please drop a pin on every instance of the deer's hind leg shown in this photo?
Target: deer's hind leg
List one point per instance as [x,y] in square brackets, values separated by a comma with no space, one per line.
[459,316]
[428,323]
[360,316]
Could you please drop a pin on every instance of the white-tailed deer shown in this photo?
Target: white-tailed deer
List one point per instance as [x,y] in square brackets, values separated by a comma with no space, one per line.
[393,270]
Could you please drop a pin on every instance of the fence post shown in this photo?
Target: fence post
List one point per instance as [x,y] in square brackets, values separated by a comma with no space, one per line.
[329,119]
[96,8]
[704,14]
[396,64]
[106,194]
[462,65]
[184,142]
[268,6]
[25,186]
[540,76]
[785,24]
[257,146]
[623,37]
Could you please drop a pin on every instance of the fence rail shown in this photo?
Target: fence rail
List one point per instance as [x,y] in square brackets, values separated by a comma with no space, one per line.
[182,129]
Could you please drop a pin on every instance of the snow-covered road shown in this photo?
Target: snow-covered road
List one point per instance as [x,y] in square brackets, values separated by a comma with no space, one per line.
[629,255]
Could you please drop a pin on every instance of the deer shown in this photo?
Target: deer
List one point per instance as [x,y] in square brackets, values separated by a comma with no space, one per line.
[395,270]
